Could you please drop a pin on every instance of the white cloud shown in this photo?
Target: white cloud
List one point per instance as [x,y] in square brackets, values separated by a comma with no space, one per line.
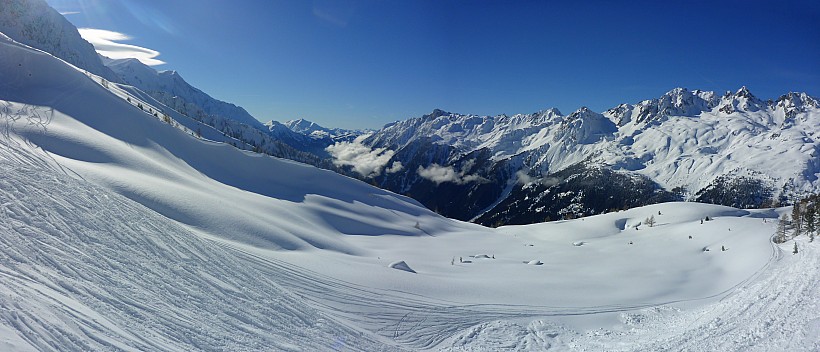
[440,174]
[66,13]
[105,42]
[396,167]
[523,178]
[366,162]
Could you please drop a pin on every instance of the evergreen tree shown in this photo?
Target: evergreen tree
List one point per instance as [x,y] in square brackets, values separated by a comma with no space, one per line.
[809,219]
[795,248]
[797,219]
[780,235]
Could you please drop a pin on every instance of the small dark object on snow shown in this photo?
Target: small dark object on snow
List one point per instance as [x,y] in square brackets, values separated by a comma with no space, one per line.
[659,212]
[722,249]
[795,248]
[630,242]
[690,237]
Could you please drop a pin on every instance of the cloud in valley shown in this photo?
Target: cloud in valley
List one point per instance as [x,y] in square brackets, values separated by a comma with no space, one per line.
[365,161]
[106,44]
[524,178]
[440,174]
[396,167]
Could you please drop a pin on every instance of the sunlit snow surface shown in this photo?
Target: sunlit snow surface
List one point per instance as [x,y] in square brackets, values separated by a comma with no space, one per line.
[121,232]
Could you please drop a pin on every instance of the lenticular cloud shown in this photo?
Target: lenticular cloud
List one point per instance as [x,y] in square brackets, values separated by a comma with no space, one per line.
[105,42]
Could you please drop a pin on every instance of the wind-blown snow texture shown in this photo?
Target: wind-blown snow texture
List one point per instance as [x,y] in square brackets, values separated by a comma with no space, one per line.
[122,232]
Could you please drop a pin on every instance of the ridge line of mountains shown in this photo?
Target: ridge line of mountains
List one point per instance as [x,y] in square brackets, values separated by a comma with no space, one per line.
[732,149]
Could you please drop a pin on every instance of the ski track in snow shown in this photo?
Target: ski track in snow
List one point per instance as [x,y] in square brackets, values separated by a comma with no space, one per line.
[84,269]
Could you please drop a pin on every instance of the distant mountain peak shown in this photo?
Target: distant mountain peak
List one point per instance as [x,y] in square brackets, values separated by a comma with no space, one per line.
[437,113]
[744,93]
[552,111]
[583,113]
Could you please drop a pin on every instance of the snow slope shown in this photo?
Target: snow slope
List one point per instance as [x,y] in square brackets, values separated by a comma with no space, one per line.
[122,232]
[112,143]
[170,88]
[34,23]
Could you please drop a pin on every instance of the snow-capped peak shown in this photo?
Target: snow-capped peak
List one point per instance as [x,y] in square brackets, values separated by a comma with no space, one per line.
[34,23]
[741,100]
[581,113]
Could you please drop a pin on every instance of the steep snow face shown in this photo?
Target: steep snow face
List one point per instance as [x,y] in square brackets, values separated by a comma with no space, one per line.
[34,23]
[677,102]
[739,135]
[228,193]
[171,89]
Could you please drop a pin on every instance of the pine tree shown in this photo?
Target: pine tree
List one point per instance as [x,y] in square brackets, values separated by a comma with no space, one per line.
[780,235]
[795,248]
[809,221]
[797,219]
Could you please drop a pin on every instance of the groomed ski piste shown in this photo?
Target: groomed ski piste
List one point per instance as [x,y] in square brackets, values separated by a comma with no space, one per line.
[121,232]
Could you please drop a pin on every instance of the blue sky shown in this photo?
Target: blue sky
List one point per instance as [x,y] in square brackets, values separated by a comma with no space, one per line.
[361,64]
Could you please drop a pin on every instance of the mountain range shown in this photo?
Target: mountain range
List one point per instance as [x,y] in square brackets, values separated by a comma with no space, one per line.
[732,149]
[727,148]
[128,225]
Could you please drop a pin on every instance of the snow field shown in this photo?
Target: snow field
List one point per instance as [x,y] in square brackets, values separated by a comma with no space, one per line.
[121,232]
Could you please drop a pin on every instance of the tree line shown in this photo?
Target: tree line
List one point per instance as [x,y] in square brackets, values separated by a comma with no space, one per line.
[803,220]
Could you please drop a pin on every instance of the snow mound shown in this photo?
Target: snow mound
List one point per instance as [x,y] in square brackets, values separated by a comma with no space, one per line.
[401,265]
[534,262]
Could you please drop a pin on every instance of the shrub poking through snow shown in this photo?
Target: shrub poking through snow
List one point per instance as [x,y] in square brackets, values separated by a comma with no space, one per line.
[650,220]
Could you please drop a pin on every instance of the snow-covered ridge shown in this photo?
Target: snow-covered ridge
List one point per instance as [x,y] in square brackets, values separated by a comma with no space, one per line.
[171,89]
[316,131]
[106,139]
[682,139]
[34,23]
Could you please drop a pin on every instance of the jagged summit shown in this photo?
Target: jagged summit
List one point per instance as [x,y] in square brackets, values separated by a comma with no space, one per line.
[581,112]
[744,92]
[688,140]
